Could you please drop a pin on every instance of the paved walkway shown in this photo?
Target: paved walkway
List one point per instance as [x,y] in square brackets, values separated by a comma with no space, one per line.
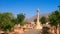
[32,31]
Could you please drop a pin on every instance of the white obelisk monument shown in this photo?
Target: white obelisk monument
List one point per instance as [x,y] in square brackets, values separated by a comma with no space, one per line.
[38,24]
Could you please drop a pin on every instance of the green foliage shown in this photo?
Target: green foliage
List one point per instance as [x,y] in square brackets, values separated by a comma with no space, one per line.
[14,21]
[43,20]
[0,17]
[54,18]
[6,26]
[20,18]
[35,20]
[5,21]
[22,23]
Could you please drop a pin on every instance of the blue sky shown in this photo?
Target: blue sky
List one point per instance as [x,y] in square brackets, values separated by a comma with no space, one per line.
[28,7]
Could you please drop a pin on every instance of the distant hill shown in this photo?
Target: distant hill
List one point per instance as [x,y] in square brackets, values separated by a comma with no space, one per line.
[34,17]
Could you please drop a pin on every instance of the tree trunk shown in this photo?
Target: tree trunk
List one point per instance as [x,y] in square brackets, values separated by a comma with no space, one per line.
[58,29]
[5,32]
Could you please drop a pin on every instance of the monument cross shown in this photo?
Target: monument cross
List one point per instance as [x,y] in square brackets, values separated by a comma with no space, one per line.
[38,24]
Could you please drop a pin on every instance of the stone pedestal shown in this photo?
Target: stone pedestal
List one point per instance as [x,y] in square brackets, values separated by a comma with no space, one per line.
[38,26]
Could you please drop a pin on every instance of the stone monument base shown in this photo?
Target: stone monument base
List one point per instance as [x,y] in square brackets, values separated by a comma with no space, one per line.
[38,26]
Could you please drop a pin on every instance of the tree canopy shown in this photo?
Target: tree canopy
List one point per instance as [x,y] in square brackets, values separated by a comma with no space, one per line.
[54,18]
[43,20]
[5,21]
[20,18]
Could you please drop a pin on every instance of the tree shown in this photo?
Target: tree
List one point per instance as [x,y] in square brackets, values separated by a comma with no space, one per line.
[6,27]
[14,20]
[5,21]
[54,19]
[43,20]
[0,18]
[35,20]
[20,18]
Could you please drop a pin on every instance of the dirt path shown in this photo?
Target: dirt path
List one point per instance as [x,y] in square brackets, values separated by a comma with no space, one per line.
[33,31]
